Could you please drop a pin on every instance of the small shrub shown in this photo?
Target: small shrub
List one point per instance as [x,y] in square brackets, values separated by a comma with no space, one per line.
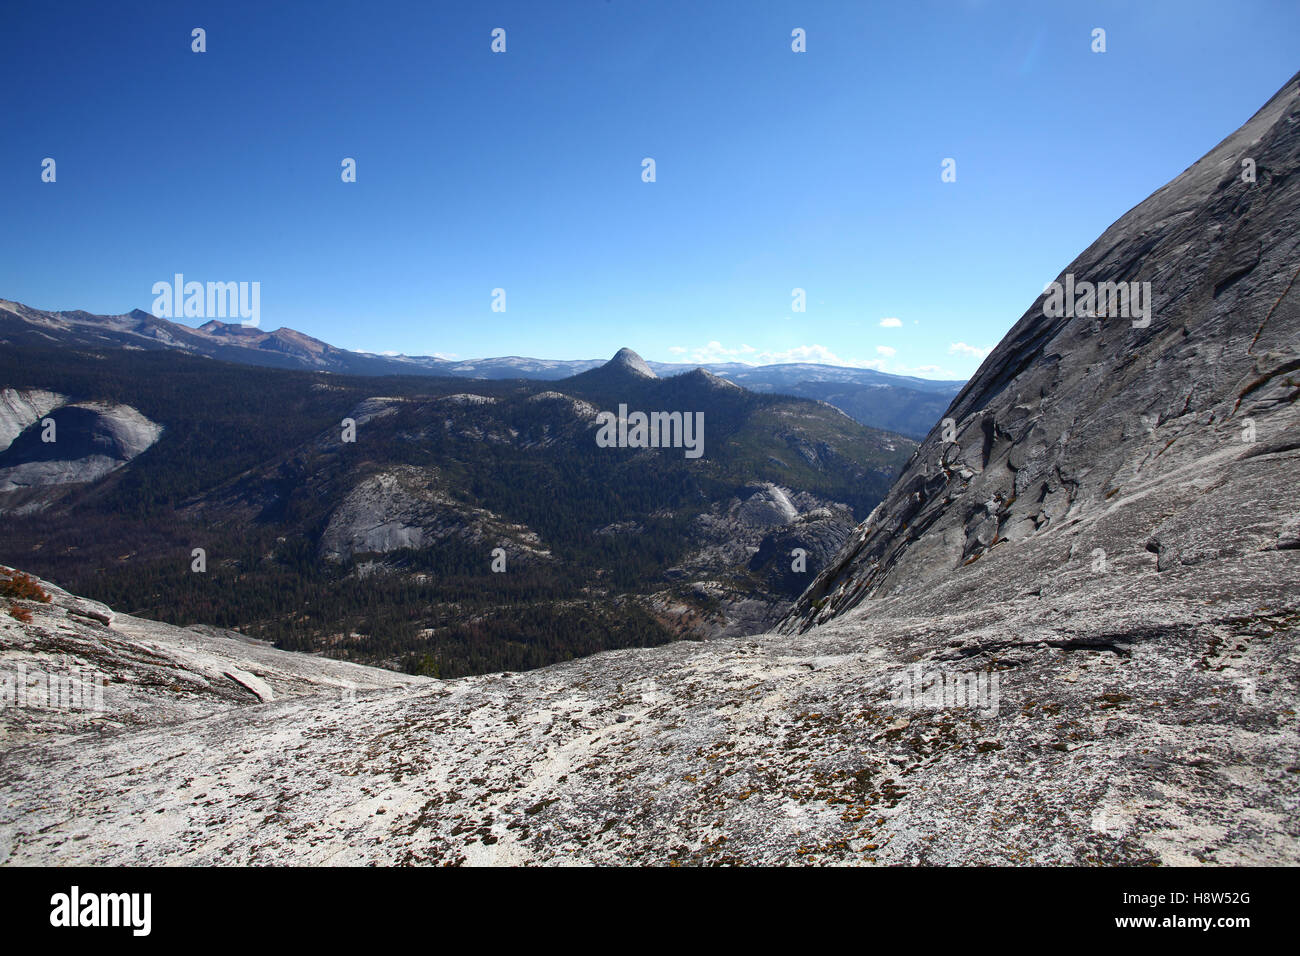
[15,584]
[20,613]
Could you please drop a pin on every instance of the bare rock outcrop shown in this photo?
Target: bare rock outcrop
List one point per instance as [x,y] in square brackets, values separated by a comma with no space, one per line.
[21,407]
[1092,439]
[84,669]
[409,507]
[90,440]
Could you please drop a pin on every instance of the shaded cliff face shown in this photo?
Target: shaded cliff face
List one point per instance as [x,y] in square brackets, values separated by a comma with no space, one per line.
[84,442]
[1093,444]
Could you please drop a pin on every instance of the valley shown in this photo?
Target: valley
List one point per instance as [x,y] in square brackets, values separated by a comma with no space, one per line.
[360,517]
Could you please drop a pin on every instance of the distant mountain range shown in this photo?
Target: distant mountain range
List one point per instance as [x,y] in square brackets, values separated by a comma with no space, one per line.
[432,524]
[898,403]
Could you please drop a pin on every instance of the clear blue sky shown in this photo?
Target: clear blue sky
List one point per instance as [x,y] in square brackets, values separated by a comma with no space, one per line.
[775,170]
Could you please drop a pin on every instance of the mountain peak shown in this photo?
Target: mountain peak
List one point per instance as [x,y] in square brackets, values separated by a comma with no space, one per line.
[702,374]
[216,327]
[628,360]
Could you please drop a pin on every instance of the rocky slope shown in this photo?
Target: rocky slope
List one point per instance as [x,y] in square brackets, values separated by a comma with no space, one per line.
[1099,441]
[407,507]
[1160,728]
[20,408]
[146,674]
[84,442]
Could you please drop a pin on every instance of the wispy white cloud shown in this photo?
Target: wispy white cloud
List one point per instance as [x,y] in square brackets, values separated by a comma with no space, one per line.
[926,371]
[974,351]
[715,352]
[891,323]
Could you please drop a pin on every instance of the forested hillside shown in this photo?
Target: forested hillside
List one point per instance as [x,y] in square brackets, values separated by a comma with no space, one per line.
[382,548]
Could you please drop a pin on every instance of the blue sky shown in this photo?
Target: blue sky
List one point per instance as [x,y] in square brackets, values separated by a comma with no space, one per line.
[475,171]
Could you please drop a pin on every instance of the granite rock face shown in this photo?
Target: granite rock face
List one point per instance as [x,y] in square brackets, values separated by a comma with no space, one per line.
[21,407]
[1158,730]
[633,363]
[741,560]
[129,673]
[91,440]
[1100,440]
[410,507]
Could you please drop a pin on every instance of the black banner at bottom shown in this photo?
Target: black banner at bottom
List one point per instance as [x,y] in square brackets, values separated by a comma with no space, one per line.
[340,907]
